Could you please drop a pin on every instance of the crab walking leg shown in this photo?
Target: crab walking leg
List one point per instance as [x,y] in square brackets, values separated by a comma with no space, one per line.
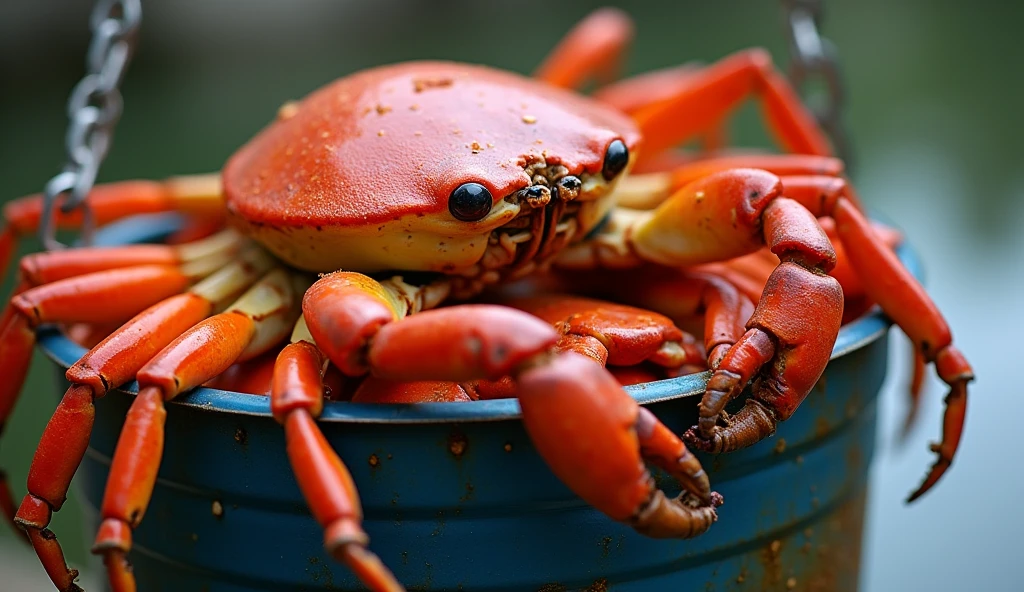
[105,296]
[632,94]
[593,48]
[636,93]
[198,195]
[857,300]
[95,286]
[113,362]
[196,260]
[253,324]
[98,297]
[296,399]
[888,283]
[199,258]
[720,88]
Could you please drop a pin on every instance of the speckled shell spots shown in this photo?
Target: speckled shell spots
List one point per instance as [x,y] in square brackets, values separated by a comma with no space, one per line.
[396,140]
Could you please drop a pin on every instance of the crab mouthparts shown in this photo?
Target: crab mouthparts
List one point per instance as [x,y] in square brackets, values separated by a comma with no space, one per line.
[549,218]
[547,222]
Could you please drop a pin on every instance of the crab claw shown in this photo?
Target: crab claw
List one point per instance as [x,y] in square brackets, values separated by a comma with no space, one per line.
[591,433]
[595,438]
[954,369]
[787,346]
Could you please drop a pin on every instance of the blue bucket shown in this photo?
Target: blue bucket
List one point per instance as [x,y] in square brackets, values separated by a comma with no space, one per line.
[457,498]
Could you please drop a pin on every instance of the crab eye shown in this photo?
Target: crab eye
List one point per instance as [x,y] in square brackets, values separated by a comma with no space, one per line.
[615,159]
[470,202]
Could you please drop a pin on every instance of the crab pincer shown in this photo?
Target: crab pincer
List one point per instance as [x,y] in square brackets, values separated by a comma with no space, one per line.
[791,334]
[590,432]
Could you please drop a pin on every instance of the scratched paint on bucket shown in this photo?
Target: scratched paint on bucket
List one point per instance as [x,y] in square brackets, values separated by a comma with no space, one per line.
[456,498]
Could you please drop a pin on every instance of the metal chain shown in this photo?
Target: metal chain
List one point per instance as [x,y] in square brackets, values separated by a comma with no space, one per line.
[94,108]
[814,59]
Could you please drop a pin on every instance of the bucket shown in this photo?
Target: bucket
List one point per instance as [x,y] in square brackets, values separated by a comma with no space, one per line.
[457,498]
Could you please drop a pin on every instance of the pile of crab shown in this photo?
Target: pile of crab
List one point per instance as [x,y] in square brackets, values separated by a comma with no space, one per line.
[436,231]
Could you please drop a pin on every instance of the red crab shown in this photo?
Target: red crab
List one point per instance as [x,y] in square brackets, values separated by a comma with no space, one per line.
[426,182]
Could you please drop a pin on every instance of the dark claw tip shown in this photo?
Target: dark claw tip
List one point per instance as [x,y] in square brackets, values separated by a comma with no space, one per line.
[694,439]
[717,499]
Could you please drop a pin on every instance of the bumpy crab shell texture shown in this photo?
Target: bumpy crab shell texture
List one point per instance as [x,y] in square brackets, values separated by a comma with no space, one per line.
[379,152]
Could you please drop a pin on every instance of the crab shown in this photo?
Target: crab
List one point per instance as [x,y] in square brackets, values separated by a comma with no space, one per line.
[412,185]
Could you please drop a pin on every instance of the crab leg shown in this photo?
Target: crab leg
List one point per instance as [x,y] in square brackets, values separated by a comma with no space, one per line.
[593,48]
[197,195]
[296,400]
[809,188]
[92,286]
[888,283]
[797,319]
[720,88]
[113,362]
[254,323]
[582,422]
[105,296]
[194,260]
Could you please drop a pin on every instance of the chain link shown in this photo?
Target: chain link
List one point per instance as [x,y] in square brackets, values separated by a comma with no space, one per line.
[814,60]
[94,109]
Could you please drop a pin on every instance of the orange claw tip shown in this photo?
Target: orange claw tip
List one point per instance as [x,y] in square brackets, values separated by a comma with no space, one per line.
[936,472]
[952,430]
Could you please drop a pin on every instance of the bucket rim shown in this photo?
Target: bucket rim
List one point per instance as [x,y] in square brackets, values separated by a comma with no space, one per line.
[147,228]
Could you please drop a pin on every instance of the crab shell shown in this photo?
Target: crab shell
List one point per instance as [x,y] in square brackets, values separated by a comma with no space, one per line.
[357,175]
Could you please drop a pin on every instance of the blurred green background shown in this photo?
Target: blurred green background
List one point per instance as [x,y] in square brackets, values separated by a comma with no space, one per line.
[935,91]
